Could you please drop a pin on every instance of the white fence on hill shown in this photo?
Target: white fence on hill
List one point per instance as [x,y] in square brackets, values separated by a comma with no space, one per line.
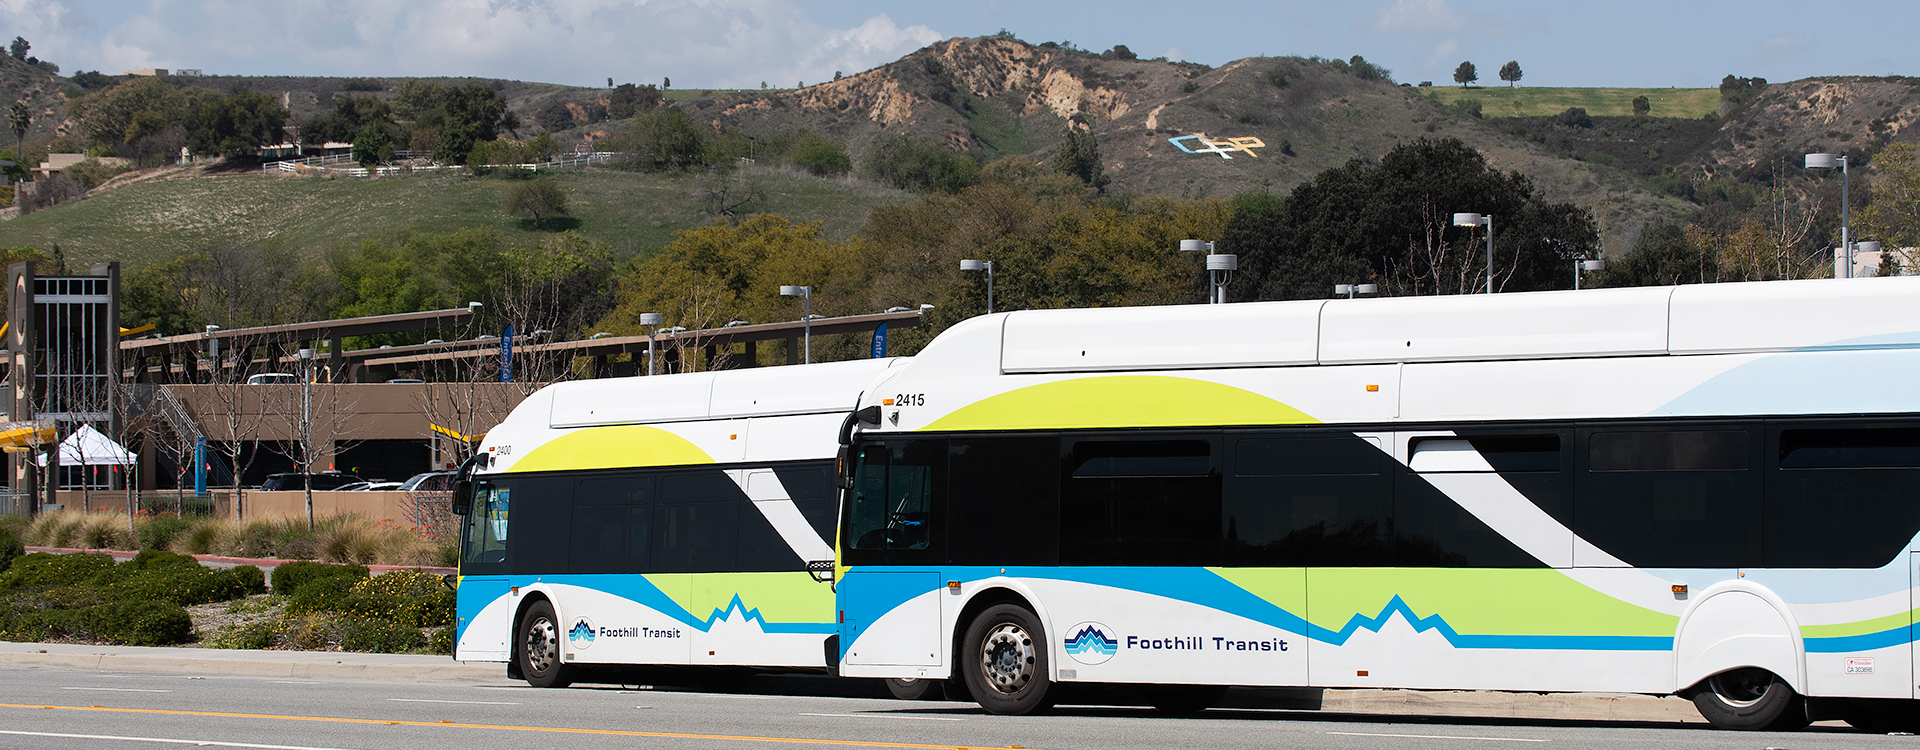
[315,164]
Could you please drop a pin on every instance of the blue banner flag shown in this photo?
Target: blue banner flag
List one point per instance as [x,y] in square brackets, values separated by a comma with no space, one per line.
[880,341]
[506,354]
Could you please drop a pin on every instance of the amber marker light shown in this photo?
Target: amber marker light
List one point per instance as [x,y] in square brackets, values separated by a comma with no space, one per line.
[1373,388]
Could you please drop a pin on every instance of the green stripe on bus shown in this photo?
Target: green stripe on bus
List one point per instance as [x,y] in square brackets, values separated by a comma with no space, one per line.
[1121,401]
[780,597]
[1478,601]
[619,447]
[1863,627]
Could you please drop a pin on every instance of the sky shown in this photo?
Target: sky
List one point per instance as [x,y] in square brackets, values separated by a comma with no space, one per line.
[742,43]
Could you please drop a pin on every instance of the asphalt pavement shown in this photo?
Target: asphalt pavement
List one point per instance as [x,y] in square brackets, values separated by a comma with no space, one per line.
[202,701]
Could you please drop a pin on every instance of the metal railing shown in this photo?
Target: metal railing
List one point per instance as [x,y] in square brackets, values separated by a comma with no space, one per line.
[558,162]
[290,165]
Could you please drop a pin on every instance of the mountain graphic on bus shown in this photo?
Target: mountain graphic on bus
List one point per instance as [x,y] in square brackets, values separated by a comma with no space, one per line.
[582,632]
[1089,638]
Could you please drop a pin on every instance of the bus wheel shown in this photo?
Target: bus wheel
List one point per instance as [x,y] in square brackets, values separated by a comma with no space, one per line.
[913,689]
[1749,698]
[1184,699]
[539,648]
[1005,658]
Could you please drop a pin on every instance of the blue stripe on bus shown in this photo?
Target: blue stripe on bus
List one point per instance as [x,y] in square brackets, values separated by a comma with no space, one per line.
[640,591]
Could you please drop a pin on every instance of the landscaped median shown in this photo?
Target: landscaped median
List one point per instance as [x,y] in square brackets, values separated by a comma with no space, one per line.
[159,598]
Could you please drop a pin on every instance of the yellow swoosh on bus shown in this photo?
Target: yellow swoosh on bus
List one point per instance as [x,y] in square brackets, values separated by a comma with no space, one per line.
[612,448]
[1121,401]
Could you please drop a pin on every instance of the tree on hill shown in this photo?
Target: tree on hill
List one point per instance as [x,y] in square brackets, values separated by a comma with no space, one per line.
[555,117]
[539,200]
[239,123]
[1390,223]
[627,100]
[372,147]
[351,116]
[909,163]
[19,118]
[662,138]
[19,48]
[458,116]
[1641,106]
[1510,72]
[1080,156]
[1465,74]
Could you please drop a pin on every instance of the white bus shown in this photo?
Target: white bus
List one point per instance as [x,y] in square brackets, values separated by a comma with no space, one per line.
[660,521]
[1705,490]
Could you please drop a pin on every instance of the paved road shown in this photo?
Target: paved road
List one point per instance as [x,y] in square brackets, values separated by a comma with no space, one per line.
[60,709]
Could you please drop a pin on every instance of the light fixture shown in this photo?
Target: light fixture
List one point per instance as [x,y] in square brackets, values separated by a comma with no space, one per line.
[652,320]
[1843,258]
[732,323]
[1220,268]
[473,308]
[805,293]
[1474,220]
[982,265]
[895,309]
[599,335]
[925,307]
[1349,290]
[1869,246]
[1585,265]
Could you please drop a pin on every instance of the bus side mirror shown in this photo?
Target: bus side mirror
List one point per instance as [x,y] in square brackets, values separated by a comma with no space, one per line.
[462,495]
[843,469]
[821,570]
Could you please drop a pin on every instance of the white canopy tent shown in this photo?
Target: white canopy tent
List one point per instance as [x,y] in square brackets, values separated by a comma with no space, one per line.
[87,447]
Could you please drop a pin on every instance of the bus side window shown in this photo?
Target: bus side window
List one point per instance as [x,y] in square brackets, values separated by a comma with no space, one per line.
[1841,496]
[696,522]
[1140,502]
[1309,500]
[895,499]
[612,518]
[1006,501]
[486,537]
[1670,496]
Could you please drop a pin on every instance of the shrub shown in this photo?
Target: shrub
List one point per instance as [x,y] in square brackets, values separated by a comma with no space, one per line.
[328,594]
[10,547]
[1470,106]
[908,163]
[1189,87]
[205,538]
[103,531]
[252,635]
[289,577]
[1575,117]
[823,157]
[379,636]
[249,578]
[159,533]
[169,580]
[441,642]
[1275,76]
[138,623]
[44,569]
[406,596]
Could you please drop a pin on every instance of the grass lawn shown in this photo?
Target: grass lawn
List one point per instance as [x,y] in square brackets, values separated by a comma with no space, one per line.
[633,213]
[1525,101]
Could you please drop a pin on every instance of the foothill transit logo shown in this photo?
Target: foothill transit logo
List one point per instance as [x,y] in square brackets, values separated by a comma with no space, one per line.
[580,636]
[1090,645]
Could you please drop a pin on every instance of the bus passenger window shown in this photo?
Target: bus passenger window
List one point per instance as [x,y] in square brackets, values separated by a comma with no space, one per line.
[892,504]
[1842,497]
[1669,497]
[611,522]
[1140,502]
[1308,500]
[486,538]
[696,523]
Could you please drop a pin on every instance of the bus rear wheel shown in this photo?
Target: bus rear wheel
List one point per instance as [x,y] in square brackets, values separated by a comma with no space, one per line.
[537,648]
[1749,698]
[1005,661]
[913,689]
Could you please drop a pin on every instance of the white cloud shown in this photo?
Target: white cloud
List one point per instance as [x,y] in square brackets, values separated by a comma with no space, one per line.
[714,43]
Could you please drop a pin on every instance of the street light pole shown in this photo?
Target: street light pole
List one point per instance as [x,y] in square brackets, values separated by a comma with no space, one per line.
[1585,265]
[982,265]
[306,430]
[652,321]
[1474,220]
[805,293]
[1352,289]
[1842,260]
[1220,268]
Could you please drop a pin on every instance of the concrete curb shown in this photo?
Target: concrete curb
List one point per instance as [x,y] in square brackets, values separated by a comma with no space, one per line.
[1609,707]
[229,662]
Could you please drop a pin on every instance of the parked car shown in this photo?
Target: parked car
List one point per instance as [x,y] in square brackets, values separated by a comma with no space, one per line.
[355,487]
[382,486]
[331,480]
[432,481]
[272,377]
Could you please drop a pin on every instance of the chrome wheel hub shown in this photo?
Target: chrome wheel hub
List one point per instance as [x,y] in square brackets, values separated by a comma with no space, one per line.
[1007,658]
[543,645]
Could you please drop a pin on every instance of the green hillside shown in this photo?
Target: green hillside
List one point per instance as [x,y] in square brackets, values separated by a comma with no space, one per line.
[633,213]
[1537,101]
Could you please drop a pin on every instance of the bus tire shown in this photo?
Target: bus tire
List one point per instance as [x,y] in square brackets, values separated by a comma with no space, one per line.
[537,648]
[914,689]
[1005,661]
[1749,698]
[1181,700]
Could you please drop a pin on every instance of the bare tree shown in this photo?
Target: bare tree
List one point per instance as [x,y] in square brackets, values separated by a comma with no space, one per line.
[237,411]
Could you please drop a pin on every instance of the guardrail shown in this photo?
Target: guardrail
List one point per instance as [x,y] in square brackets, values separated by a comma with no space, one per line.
[318,162]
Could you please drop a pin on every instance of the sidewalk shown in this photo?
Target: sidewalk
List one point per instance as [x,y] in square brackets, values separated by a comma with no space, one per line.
[419,668]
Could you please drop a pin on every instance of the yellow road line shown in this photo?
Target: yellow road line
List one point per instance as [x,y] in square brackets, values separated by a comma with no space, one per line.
[561,730]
